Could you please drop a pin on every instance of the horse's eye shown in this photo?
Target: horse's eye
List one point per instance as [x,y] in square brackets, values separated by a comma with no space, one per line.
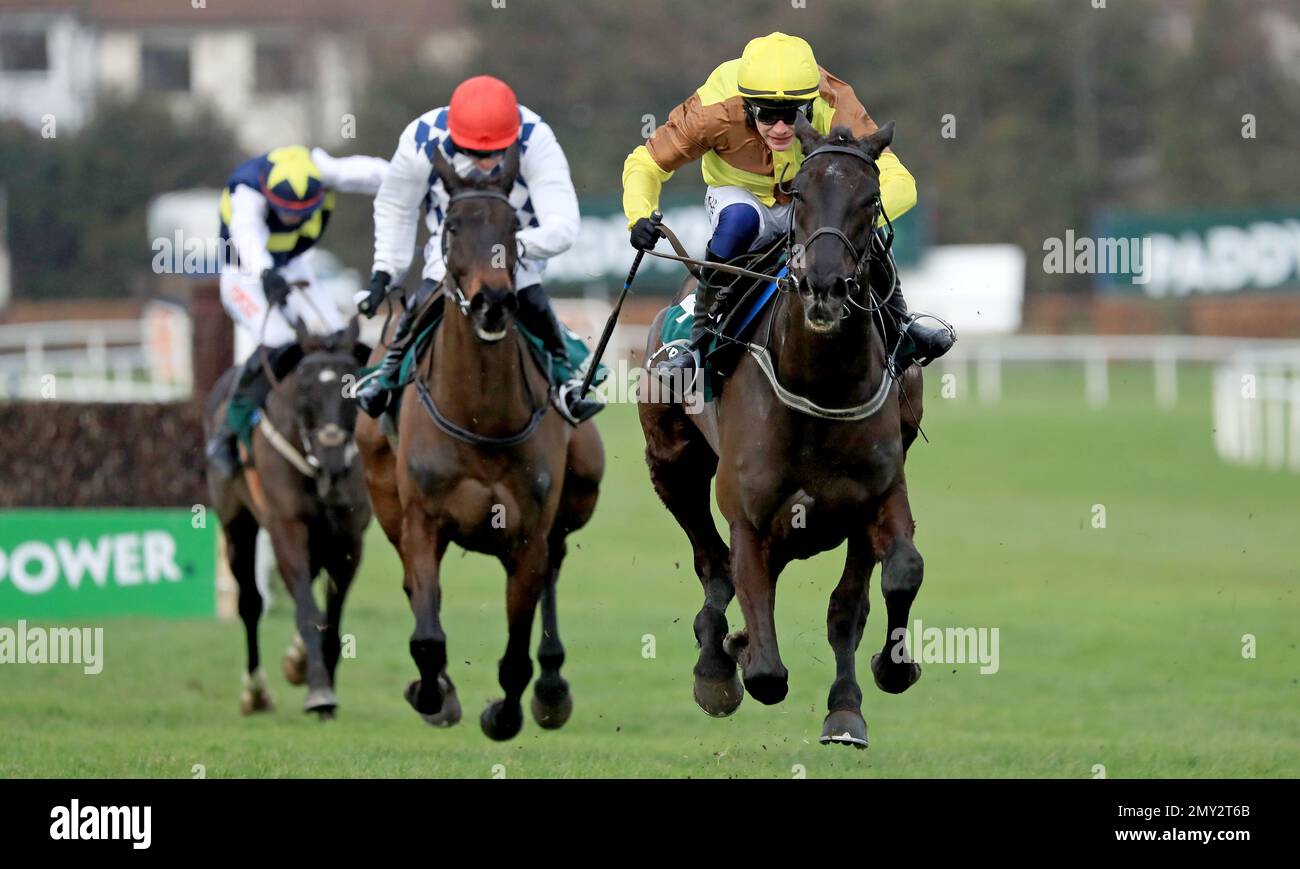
[452,226]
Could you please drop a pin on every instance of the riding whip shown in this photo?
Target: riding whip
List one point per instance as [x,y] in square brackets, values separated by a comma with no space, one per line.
[655,218]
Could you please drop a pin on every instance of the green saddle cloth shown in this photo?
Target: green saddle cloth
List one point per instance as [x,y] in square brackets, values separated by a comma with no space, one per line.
[574,365]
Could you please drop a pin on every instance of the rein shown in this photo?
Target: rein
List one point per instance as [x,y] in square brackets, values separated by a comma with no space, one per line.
[303,458]
[762,353]
[451,289]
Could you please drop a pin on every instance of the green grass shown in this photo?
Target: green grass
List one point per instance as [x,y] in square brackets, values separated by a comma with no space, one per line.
[1119,646]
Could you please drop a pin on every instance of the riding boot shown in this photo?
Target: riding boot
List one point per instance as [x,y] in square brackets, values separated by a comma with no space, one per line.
[710,300]
[375,393]
[538,317]
[249,393]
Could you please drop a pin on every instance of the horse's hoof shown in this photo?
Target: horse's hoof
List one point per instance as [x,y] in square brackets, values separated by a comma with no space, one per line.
[719,697]
[254,695]
[294,663]
[551,715]
[845,727]
[895,679]
[322,701]
[768,688]
[501,720]
[449,714]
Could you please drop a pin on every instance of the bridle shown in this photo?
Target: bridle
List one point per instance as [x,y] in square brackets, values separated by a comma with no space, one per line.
[331,434]
[872,252]
[451,289]
[449,286]
[762,353]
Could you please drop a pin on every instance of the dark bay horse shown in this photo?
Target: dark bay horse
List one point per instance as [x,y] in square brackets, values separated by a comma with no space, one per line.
[304,485]
[807,442]
[481,461]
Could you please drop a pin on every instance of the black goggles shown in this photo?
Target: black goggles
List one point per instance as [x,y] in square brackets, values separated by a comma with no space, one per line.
[482,155]
[770,114]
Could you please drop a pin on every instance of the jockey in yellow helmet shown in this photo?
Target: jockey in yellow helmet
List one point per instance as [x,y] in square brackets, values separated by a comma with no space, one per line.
[740,126]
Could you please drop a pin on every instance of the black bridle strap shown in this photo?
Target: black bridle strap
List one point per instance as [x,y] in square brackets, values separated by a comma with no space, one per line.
[469,437]
[475,193]
[457,297]
[859,259]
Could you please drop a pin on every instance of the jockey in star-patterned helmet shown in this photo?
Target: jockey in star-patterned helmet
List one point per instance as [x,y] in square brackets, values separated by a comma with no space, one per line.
[274,209]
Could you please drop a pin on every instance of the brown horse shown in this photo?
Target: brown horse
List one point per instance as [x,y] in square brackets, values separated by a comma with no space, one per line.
[807,442]
[480,462]
[303,484]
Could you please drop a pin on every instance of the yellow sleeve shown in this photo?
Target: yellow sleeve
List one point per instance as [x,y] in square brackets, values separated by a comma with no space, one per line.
[897,186]
[642,180]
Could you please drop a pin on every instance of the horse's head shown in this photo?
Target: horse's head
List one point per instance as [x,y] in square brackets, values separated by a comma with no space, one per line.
[324,413]
[836,205]
[478,238]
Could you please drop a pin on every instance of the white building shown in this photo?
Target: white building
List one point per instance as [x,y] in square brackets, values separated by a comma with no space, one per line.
[274,72]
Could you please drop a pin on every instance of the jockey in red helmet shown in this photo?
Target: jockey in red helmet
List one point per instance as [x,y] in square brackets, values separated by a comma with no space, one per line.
[483,120]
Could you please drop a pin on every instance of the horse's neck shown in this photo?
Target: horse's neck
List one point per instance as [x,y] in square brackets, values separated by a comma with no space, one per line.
[483,387]
[834,370]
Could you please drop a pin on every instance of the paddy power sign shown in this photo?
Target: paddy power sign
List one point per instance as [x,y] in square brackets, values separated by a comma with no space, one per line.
[58,564]
[1206,252]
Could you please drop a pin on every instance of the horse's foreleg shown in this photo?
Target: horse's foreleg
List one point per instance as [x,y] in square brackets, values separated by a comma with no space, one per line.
[241,555]
[290,539]
[528,570]
[682,482]
[900,579]
[754,572]
[846,617]
[552,703]
[342,568]
[432,695]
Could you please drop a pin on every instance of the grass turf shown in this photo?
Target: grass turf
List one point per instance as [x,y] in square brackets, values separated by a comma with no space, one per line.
[1119,646]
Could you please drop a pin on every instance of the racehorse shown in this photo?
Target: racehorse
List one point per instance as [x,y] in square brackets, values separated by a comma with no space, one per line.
[303,484]
[479,461]
[807,442]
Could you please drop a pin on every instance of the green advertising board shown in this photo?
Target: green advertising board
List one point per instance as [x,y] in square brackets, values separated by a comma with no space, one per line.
[1176,254]
[60,564]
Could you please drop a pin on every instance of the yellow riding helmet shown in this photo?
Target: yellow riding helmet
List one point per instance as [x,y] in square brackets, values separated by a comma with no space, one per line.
[778,67]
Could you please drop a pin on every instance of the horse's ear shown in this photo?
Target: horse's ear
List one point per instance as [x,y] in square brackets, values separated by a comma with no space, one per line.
[807,134]
[450,180]
[878,141]
[306,340]
[509,169]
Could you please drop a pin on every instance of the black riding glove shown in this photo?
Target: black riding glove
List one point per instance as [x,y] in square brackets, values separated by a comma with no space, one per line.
[374,293]
[275,287]
[645,233]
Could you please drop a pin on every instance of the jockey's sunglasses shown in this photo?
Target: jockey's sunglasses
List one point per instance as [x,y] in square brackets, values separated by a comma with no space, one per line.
[771,114]
[482,155]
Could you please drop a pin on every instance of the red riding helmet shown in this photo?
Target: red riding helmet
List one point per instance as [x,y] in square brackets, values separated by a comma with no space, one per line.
[483,114]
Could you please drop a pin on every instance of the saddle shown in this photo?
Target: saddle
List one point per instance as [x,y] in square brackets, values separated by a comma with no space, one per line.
[730,338]
[559,372]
